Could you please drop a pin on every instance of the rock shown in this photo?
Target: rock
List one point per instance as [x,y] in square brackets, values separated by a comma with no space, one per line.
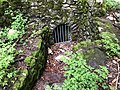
[110,18]
[96,58]
[12,32]
[62,50]
[59,57]
[50,51]
[100,29]
[117,14]
[114,62]
[99,1]
[65,5]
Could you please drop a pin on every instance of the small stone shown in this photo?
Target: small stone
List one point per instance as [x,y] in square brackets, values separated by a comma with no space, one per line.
[59,57]
[65,5]
[117,14]
[99,1]
[118,60]
[110,18]
[12,32]
[50,51]
[62,50]
[114,62]
[52,25]
[110,76]
[24,74]
[100,29]
[113,81]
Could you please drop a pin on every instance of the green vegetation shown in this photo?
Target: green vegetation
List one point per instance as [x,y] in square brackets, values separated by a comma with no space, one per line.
[112,4]
[80,76]
[110,44]
[8,35]
[107,42]
[2,1]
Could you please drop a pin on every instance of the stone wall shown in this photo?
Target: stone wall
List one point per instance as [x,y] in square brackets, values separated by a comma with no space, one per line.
[35,64]
[78,14]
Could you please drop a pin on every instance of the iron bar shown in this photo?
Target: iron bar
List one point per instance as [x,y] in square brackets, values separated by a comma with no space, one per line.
[62,33]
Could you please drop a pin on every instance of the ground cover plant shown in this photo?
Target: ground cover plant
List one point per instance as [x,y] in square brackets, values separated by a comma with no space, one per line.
[8,37]
[80,76]
[112,4]
[110,44]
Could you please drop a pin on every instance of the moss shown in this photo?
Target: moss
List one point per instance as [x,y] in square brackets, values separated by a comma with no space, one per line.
[30,61]
[18,84]
[27,60]
[83,44]
[39,43]
[35,63]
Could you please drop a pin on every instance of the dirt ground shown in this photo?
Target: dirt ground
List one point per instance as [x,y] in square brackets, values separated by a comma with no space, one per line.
[54,71]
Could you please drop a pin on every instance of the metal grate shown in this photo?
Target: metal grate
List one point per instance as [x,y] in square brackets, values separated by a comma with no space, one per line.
[62,33]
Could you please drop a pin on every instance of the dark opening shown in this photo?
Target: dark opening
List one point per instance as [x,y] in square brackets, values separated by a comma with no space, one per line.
[62,33]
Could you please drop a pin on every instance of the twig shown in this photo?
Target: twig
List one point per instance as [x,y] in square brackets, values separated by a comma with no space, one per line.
[117,76]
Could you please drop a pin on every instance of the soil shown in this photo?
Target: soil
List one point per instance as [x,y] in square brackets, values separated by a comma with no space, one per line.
[54,70]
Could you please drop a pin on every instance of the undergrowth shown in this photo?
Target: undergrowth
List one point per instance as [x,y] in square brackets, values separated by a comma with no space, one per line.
[110,44]
[80,76]
[112,4]
[8,36]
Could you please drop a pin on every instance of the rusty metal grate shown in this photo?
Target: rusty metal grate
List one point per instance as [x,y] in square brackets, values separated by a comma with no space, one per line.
[62,33]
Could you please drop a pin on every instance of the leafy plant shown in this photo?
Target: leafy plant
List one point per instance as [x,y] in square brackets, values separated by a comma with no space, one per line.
[111,4]
[110,43]
[17,26]
[80,76]
[6,58]
[7,50]
[2,1]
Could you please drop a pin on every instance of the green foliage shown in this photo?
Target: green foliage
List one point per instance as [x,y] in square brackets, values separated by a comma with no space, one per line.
[17,27]
[7,50]
[111,4]
[2,1]
[6,58]
[12,5]
[80,76]
[110,43]
[83,44]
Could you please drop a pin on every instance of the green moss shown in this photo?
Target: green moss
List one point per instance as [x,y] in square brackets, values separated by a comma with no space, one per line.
[83,44]
[30,61]
[35,63]
[18,84]
[39,43]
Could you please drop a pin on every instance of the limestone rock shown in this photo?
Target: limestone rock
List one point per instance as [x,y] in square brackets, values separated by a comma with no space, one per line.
[50,51]
[59,57]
